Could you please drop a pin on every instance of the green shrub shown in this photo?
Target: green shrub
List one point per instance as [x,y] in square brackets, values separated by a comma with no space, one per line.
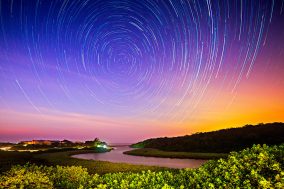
[28,176]
[69,177]
[257,167]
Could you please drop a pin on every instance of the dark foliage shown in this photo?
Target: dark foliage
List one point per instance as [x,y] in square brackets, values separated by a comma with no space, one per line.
[225,140]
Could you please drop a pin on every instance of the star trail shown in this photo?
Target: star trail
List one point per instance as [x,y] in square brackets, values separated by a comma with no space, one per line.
[126,70]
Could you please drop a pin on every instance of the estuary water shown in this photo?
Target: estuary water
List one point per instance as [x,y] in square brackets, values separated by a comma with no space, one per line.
[117,156]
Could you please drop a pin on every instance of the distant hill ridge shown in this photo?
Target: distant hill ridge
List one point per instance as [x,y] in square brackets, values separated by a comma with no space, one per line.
[225,140]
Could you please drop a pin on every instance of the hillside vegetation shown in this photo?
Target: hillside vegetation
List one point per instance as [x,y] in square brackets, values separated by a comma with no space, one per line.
[257,167]
[221,141]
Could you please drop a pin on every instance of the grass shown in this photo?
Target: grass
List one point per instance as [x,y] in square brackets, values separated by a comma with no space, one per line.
[63,157]
[93,166]
[150,152]
[8,159]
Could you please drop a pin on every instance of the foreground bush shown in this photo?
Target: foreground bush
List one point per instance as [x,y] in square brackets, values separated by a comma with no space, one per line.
[26,177]
[257,167]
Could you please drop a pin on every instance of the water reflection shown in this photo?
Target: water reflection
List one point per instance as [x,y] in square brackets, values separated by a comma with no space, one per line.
[117,156]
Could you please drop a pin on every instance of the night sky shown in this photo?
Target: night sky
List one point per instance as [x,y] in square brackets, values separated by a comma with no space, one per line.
[126,70]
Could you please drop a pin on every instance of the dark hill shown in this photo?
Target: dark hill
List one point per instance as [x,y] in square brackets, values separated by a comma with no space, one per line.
[224,140]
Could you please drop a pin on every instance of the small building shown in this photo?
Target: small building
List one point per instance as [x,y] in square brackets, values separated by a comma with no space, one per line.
[38,142]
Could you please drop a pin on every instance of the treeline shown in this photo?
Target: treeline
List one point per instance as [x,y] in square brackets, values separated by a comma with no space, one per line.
[225,140]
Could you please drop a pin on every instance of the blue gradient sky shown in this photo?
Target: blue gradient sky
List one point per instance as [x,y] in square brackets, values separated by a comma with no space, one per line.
[127,70]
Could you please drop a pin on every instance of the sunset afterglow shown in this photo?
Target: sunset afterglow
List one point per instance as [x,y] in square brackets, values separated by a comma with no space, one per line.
[127,70]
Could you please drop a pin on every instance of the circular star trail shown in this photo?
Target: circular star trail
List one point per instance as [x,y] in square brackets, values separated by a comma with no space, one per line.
[130,58]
